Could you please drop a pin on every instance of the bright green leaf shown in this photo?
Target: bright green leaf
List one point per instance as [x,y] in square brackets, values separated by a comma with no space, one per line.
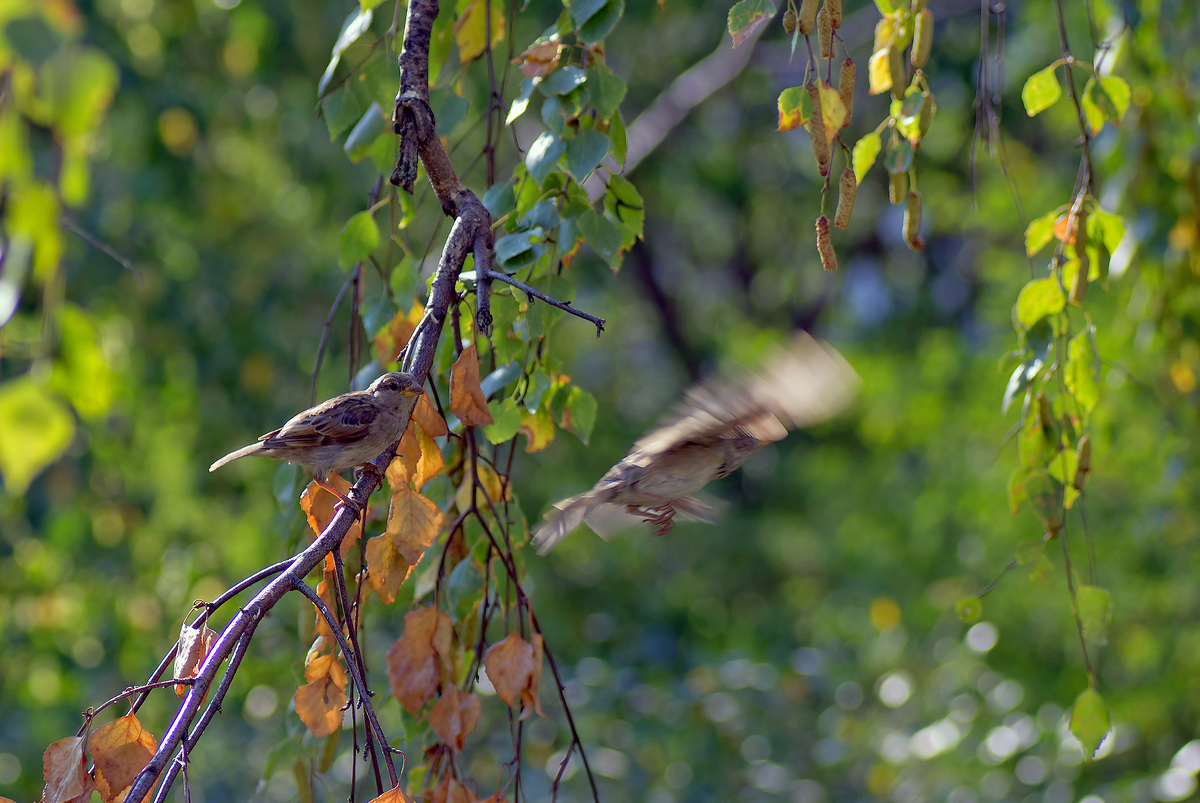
[37,429]
[1090,721]
[1041,91]
[1083,368]
[1037,299]
[865,152]
[359,237]
[1040,232]
[969,609]
[506,420]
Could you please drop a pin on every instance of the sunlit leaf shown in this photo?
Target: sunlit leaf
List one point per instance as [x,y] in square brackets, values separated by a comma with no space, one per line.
[1041,91]
[413,522]
[1082,374]
[1038,299]
[543,154]
[64,767]
[1040,232]
[795,108]
[37,429]
[321,702]
[120,750]
[359,237]
[865,152]
[747,16]
[1090,720]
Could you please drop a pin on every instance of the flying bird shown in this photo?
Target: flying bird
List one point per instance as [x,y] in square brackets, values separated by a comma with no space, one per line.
[711,432]
[348,430]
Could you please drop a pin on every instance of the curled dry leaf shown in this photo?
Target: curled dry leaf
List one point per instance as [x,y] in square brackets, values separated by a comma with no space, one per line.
[121,749]
[415,661]
[321,701]
[413,522]
[64,768]
[454,716]
[429,419]
[515,668]
[193,646]
[466,399]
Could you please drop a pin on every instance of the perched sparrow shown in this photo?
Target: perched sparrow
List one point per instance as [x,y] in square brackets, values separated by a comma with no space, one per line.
[710,434]
[348,430]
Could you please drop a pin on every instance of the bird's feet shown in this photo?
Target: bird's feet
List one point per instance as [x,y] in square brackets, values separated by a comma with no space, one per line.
[662,517]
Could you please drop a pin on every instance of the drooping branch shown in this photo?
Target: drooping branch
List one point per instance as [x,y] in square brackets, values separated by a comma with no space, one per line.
[414,122]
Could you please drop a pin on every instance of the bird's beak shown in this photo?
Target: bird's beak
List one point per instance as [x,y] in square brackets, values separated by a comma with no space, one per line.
[413,392]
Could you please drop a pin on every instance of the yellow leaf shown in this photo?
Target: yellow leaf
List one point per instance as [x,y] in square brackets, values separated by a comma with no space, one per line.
[833,111]
[470,31]
[878,73]
[386,568]
[393,796]
[538,428]
[466,399]
[429,419]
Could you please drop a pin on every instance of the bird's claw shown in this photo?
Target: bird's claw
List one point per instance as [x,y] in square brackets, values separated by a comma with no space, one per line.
[662,517]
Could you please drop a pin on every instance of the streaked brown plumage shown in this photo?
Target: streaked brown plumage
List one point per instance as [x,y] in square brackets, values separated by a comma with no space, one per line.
[347,430]
[712,432]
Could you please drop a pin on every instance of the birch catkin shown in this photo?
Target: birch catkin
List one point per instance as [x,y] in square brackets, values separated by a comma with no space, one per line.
[847,186]
[846,87]
[825,33]
[807,16]
[835,13]
[825,244]
[816,129]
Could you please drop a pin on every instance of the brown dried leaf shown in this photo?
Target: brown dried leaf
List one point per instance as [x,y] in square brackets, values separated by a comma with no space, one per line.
[539,60]
[395,335]
[386,568]
[121,749]
[403,467]
[429,419]
[416,659]
[529,695]
[393,796]
[466,399]
[64,767]
[320,703]
[413,522]
[510,667]
[454,716]
[193,646]
[326,594]
[450,791]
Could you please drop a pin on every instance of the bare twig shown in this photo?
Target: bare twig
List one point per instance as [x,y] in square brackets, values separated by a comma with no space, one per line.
[487,274]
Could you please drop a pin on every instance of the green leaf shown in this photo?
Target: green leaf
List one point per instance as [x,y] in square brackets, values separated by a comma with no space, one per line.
[365,132]
[464,589]
[865,152]
[345,107]
[37,429]
[886,7]
[543,154]
[563,80]
[580,415]
[354,26]
[1062,468]
[1038,299]
[1118,92]
[602,235]
[499,199]
[585,151]
[624,203]
[747,16]
[1018,492]
[83,373]
[506,420]
[1036,446]
[521,103]
[969,609]
[1090,721]
[795,107]
[620,142]
[359,237]
[1040,232]
[583,10]
[1094,606]
[1105,227]
[284,484]
[1083,371]
[449,109]
[1041,91]
[519,249]
[1033,557]
[601,23]
[605,90]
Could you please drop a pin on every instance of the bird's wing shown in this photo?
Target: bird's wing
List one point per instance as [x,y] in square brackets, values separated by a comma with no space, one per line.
[800,385]
[337,421]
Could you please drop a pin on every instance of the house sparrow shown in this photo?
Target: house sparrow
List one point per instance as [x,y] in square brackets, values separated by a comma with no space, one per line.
[347,430]
[713,431]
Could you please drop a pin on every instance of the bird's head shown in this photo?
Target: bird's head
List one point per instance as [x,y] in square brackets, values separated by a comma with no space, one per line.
[396,383]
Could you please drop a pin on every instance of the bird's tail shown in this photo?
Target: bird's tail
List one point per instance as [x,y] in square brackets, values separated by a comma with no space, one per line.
[561,521]
[253,448]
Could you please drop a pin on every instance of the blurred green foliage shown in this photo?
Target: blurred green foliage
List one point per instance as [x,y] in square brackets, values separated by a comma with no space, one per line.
[807,647]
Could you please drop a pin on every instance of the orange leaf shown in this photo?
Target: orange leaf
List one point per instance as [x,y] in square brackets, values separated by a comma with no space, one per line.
[454,716]
[393,796]
[318,504]
[539,60]
[509,665]
[538,428]
[395,335]
[121,749]
[323,591]
[431,463]
[404,465]
[320,703]
[416,659]
[413,522]
[64,768]
[429,419]
[466,399]
[194,644]
[386,569]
